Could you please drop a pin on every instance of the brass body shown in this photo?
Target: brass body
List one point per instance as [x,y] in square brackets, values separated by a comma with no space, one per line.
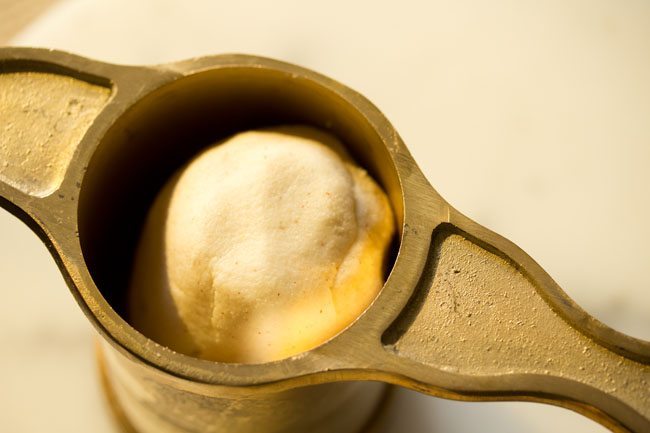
[464,314]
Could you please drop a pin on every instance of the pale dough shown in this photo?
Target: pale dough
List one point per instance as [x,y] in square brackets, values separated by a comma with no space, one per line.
[265,245]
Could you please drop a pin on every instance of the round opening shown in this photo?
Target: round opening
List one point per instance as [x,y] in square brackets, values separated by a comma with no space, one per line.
[160,133]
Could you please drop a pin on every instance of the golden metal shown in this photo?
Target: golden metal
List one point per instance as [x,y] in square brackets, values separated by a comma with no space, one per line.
[464,314]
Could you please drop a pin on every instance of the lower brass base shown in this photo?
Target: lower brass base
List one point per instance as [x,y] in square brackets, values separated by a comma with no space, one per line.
[372,426]
[113,404]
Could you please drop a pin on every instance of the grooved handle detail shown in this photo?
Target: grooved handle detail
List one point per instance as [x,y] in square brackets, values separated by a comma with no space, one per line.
[43,117]
[475,313]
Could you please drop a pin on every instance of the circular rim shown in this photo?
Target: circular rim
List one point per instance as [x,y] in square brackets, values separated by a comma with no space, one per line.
[316,365]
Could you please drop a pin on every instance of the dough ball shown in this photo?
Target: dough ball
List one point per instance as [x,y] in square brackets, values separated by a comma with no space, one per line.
[264,246]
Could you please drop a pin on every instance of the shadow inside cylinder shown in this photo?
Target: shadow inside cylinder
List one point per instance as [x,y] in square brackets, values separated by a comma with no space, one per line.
[164,130]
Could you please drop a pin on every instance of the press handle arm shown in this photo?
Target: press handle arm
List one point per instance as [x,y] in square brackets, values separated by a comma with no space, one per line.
[487,323]
[55,108]
[46,108]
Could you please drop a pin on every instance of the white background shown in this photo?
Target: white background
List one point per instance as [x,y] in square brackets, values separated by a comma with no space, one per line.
[531,117]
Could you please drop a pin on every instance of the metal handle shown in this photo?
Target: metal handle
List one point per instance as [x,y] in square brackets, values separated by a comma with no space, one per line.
[45,115]
[54,109]
[48,103]
[487,323]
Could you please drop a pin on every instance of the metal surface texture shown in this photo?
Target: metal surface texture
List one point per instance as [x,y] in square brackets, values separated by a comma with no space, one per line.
[464,313]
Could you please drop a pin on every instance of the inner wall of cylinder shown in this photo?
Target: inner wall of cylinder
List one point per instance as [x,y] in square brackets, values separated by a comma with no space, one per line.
[163,131]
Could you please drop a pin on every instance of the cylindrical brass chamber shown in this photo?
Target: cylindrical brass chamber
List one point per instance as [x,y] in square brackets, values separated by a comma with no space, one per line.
[151,140]
[147,400]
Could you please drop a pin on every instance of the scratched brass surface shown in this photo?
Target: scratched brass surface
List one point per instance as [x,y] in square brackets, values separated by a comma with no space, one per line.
[51,111]
[464,313]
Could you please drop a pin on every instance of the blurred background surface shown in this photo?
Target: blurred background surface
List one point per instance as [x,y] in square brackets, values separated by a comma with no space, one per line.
[533,118]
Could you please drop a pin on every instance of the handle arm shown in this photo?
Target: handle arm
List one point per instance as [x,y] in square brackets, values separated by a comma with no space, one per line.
[487,323]
[55,108]
[44,116]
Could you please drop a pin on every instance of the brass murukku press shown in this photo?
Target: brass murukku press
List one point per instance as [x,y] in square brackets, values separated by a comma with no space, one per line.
[464,313]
